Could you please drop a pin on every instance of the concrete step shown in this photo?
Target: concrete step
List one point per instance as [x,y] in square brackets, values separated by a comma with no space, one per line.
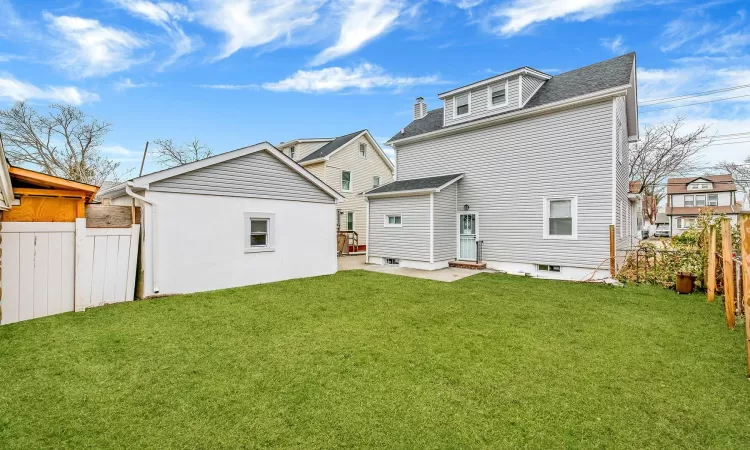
[468,265]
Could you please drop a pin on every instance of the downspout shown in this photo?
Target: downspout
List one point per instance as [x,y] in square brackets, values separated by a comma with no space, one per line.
[149,235]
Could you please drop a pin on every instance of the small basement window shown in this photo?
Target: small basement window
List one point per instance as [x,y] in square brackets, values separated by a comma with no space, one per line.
[393,220]
[462,104]
[391,261]
[547,268]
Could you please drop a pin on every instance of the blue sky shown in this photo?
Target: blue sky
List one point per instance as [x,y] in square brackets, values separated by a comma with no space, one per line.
[237,72]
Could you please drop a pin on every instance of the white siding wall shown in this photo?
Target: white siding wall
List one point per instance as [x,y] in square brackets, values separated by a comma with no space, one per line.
[303,149]
[510,168]
[529,85]
[411,241]
[200,242]
[479,103]
[623,232]
[445,221]
[724,198]
[362,170]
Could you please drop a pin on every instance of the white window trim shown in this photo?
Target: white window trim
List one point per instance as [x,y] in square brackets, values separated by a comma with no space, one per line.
[705,200]
[351,181]
[573,211]
[455,105]
[393,225]
[354,219]
[292,152]
[489,96]
[361,144]
[708,202]
[271,232]
[684,200]
[373,181]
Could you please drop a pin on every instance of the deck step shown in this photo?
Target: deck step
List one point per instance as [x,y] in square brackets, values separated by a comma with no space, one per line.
[468,265]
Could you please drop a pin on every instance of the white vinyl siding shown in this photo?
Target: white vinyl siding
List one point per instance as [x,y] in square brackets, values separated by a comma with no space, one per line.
[411,241]
[529,86]
[509,169]
[257,175]
[445,222]
[305,148]
[622,181]
[479,103]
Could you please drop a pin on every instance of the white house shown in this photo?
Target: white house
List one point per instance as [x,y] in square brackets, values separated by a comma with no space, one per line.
[688,197]
[523,171]
[351,164]
[231,220]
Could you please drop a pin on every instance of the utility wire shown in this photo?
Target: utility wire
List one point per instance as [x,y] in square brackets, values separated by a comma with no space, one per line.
[693,104]
[657,101]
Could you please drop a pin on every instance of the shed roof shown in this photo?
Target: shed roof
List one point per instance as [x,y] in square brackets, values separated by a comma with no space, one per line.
[29,178]
[415,185]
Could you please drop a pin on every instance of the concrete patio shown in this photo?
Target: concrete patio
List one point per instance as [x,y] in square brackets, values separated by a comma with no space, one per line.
[357,262]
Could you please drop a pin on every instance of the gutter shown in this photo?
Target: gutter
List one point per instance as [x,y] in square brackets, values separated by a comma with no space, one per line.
[492,120]
[149,235]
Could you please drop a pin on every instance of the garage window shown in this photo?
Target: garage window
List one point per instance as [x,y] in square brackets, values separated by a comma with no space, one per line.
[259,232]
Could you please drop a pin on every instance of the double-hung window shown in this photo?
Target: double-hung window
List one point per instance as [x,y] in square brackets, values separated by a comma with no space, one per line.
[292,152]
[700,200]
[363,150]
[346,181]
[689,200]
[560,217]
[498,95]
[259,234]
[462,104]
[713,199]
[375,181]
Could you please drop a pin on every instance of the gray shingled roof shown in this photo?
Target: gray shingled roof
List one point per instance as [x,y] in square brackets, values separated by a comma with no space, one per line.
[596,77]
[330,147]
[414,184]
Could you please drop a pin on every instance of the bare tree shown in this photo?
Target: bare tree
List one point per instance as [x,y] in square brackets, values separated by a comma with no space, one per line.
[740,172]
[665,151]
[168,154]
[63,143]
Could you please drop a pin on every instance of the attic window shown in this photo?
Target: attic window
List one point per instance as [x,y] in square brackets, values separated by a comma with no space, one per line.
[700,186]
[462,104]
[291,152]
[363,150]
[498,95]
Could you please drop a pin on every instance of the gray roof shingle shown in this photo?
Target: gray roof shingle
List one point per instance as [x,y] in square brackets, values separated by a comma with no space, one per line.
[330,147]
[596,77]
[413,184]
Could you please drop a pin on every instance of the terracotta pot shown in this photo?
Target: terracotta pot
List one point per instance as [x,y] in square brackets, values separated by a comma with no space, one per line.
[685,282]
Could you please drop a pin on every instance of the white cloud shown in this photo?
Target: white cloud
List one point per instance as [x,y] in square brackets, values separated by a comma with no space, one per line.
[15,90]
[90,48]
[729,43]
[167,16]
[332,79]
[126,83]
[684,29]
[363,20]
[521,14]
[616,44]
[250,24]
[463,4]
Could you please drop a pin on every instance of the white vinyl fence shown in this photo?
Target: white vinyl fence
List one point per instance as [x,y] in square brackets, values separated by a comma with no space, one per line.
[50,268]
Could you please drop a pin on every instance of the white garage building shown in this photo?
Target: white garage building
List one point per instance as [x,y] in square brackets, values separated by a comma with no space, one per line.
[244,217]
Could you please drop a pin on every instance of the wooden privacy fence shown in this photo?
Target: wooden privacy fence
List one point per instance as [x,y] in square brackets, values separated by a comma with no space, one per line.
[55,267]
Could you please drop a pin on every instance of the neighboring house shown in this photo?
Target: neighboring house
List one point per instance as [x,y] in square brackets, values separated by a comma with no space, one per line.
[351,164]
[532,166]
[636,214]
[243,217]
[687,197]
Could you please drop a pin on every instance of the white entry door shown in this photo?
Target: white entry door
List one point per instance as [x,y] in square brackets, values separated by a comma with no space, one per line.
[467,236]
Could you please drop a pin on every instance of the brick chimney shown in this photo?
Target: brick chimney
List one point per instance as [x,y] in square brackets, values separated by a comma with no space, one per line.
[420,108]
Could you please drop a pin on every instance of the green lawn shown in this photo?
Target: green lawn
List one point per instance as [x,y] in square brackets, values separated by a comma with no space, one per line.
[366,360]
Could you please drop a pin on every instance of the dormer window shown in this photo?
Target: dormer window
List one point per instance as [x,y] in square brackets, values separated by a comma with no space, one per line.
[699,186]
[292,153]
[462,104]
[498,95]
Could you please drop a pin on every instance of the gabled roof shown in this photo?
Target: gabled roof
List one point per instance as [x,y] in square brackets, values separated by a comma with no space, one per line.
[597,77]
[414,186]
[721,183]
[144,181]
[331,147]
[336,144]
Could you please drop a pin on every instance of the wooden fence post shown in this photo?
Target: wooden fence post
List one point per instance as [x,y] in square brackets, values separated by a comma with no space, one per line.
[726,244]
[711,276]
[612,251]
[745,236]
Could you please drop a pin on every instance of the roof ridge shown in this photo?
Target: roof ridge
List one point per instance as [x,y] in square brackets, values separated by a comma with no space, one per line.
[594,64]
